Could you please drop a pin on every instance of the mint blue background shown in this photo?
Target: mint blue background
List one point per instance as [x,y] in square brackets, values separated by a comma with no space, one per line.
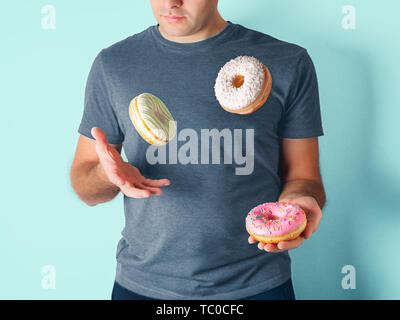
[42,79]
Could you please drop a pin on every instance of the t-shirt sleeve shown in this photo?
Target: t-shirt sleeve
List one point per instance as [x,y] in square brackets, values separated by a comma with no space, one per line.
[98,108]
[302,114]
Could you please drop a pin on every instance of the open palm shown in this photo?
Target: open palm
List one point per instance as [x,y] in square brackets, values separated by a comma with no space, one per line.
[121,173]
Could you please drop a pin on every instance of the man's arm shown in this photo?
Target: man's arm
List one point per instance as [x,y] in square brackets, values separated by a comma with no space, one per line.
[87,176]
[304,188]
[300,169]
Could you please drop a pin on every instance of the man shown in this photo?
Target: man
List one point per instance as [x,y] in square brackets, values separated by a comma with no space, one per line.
[184,234]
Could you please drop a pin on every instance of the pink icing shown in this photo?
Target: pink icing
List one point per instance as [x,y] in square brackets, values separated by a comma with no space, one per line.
[274,218]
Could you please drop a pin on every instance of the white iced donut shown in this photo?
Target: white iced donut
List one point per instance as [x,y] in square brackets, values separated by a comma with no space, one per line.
[243,85]
[152,119]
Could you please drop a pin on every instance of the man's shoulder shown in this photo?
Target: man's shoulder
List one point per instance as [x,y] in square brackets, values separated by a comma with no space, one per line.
[124,46]
[264,40]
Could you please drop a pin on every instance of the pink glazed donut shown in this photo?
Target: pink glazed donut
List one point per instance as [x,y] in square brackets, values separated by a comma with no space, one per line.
[272,222]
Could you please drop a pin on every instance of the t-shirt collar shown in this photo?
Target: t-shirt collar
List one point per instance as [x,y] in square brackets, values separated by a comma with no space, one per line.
[217,38]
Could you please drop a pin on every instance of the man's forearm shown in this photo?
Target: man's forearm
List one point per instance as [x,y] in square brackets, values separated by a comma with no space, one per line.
[91,184]
[302,187]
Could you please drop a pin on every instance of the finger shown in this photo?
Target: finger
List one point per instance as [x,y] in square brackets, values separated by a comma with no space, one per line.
[272,247]
[156,183]
[110,153]
[151,189]
[117,177]
[308,231]
[117,180]
[290,244]
[313,223]
[102,146]
[99,136]
[261,245]
[311,227]
[251,240]
[131,191]
[113,154]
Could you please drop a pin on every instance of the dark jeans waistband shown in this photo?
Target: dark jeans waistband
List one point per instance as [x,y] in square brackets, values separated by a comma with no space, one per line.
[284,291]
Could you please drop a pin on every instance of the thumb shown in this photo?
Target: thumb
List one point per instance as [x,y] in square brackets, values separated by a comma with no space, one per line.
[287,200]
[102,146]
[100,137]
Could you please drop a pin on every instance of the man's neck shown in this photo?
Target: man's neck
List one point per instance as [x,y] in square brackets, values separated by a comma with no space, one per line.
[210,30]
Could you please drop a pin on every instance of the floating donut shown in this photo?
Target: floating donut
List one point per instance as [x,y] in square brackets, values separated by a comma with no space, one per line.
[272,222]
[243,85]
[152,119]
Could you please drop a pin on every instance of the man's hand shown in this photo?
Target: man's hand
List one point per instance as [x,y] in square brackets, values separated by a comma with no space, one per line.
[313,214]
[123,174]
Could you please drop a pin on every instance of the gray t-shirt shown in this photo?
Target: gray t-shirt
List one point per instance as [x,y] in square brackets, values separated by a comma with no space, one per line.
[191,242]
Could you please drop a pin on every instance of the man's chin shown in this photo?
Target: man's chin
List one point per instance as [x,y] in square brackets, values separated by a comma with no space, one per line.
[175,31]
